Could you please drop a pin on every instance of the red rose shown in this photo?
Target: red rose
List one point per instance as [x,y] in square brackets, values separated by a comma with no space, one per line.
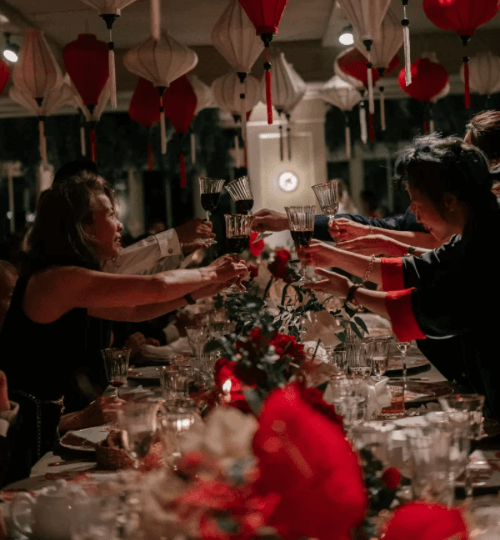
[287,345]
[425,521]
[253,269]
[256,247]
[278,267]
[226,370]
[305,459]
[391,478]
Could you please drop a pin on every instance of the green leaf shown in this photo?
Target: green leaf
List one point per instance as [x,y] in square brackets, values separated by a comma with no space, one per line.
[355,329]
[322,386]
[268,286]
[361,323]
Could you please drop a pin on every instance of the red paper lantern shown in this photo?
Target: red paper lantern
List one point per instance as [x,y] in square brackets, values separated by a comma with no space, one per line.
[429,80]
[4,75]
[463,17]
[265,16]
[144,109]
[179,102]
[86,61]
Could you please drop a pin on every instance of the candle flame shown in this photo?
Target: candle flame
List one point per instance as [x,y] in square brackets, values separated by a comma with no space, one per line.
[226,387]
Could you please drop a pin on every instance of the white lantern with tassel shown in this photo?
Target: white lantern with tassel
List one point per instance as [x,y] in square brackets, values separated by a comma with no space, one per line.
[484,73]
[204,99]
[161,62]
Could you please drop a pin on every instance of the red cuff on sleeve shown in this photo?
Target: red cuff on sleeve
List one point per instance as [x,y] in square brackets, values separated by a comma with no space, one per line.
[404,324]
[392,274]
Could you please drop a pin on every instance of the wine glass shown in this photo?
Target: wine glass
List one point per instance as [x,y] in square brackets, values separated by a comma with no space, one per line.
[137,422]
[210,190]
[241,193]
[116,366]
[176,418]
[402,348]
[379,355]
[238,229]
[328,197]
[301,224]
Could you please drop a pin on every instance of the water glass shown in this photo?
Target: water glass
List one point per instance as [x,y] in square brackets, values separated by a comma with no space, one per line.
[175,419]
[431,466]
[397,407]
[470,404]
[358,357]
[174,381]
[349,396]
[116,363]
[337,358]
[378,350]
[93,517]
[137,422]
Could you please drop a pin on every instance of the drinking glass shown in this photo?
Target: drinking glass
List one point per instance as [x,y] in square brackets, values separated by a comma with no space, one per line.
[378,350]
[137,422]
[174,381]
[349,396]
[210,190]
[402,348]
[197,337]
[93,517]
[429,449]
[116,366]
[328,197]
[397,407]
[337,358]
[238,229]
[241,193]
[301,224]
[470,404]
[358,357]
[176,418]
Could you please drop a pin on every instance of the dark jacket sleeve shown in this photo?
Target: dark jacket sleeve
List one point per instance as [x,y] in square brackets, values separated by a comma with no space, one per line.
[403,222]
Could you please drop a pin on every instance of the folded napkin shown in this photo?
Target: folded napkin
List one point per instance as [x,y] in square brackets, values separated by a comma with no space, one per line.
[378,397]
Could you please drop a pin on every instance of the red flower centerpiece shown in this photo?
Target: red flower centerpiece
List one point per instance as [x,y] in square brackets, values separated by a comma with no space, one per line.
[279,267]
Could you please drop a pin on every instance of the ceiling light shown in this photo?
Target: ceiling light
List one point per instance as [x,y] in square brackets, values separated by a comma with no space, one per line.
[11,50]
[346,37]
[3,19]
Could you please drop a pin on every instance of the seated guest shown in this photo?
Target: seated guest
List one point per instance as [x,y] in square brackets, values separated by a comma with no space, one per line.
[8,417]
[8,280]
[445,292]
[74,234]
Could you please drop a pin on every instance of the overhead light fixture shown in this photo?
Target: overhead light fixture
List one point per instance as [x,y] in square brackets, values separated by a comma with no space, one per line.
[10,50]
[346,37]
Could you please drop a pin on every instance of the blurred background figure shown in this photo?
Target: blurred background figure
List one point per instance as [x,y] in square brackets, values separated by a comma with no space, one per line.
[346,206]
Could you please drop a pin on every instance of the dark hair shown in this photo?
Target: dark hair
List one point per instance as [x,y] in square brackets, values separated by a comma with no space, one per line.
[74,168]
[58,237]
[484,130]
[436,165]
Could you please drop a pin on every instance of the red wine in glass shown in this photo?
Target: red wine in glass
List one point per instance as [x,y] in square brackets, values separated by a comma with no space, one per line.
[243,206]
[301,238]
[237,244]
[116,383]
[209,201]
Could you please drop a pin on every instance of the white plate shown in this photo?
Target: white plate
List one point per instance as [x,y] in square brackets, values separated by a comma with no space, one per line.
[141,373]
[93,434]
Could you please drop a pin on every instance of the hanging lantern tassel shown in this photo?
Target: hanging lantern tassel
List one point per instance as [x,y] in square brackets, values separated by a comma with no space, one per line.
[93,144]
[431,118]
[237,163]
[281,142]
[405,23]
[347,136]
[182,167]
[151,162]
[369,76]
[163,129]
[382,108]
[267,67]
[371,126]
[43,142]
[193,148]
[465,60]
[155,19]
[362,122]
[109,19]
[83,146]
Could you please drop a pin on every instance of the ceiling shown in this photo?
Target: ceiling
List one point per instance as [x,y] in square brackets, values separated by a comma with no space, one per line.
[307,34]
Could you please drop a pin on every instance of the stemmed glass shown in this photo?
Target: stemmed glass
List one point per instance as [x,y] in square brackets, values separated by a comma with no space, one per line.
[116,366]
[176,418]
[241,193]
[137,422]
[197,337]
[210,190]
[238,229]
[402,348]
[328,197]
[301,224]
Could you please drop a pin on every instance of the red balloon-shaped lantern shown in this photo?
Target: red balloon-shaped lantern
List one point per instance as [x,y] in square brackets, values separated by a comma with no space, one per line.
[4,75]
[266,16]
[463,17]
[429,80]
[351,66]
[87,63]
[144,109]
[179,102]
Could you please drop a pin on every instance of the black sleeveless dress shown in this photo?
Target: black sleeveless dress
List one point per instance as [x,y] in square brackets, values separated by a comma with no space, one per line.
[40,361]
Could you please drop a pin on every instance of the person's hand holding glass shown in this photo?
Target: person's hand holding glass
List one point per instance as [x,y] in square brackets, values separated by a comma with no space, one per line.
[210,190]
[301,224]
[238,229]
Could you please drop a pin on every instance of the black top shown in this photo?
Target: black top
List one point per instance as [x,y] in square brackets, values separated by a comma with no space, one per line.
[40,359]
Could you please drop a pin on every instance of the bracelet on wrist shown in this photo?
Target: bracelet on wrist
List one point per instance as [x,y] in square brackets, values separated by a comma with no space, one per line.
[350,301]
[189,299]
[410,252]
[371,264]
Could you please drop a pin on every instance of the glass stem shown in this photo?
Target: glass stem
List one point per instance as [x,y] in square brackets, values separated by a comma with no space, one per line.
[403,361]
[303,268]
[468,484]
[208,216]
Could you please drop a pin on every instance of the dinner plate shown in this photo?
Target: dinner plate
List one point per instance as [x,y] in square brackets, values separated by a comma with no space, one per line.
[412,363]
[485,469]
[84,440]
[144,373]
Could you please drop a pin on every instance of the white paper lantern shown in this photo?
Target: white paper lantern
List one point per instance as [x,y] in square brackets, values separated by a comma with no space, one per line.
[484,73]
[161,62]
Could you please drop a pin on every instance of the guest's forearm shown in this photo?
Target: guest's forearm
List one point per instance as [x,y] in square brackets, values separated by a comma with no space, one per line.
[358,265]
